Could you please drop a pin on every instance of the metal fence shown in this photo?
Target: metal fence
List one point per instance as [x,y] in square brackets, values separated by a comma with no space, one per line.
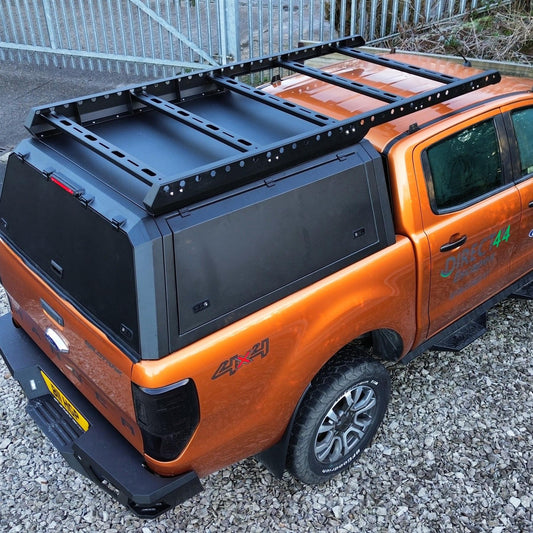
[161,37]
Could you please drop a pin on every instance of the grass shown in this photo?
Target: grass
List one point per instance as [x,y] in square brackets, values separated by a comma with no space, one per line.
[500,34]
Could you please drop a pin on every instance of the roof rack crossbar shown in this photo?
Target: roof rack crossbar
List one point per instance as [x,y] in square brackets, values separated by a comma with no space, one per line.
[339,81]
[273,101]
[262,64]
[233,172]
[107,150]
[396,65]
[194,121]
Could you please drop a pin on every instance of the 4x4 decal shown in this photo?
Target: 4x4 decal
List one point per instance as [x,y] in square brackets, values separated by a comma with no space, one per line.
[231,365]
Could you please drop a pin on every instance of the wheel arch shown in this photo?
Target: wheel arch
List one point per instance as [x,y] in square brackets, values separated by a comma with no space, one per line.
[386,344]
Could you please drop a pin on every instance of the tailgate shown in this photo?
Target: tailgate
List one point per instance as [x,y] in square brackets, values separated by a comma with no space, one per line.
[80,350]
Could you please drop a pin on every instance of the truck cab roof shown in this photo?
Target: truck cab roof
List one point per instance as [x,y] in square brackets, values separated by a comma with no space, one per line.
[341,104]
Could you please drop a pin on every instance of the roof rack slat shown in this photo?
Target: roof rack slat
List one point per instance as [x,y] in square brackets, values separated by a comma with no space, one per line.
[396,65]
[339,81]
[107,150]
[194,121]
[273,101]
[233,172]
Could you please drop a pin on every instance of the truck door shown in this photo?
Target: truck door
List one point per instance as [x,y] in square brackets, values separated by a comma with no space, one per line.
[471,216]
[520,127]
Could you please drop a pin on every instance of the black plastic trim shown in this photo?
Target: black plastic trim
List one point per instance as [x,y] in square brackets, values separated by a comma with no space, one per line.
[275,457]
[513,142]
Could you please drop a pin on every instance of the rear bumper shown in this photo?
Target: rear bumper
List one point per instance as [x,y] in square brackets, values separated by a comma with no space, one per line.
[100,453]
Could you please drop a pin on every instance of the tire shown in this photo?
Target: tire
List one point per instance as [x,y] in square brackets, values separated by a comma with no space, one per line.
[338,418]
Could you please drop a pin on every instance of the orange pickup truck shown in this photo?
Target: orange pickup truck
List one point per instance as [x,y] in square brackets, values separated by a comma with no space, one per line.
[200,270]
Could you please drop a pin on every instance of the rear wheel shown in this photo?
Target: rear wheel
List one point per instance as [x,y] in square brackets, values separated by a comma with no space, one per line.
[338,418]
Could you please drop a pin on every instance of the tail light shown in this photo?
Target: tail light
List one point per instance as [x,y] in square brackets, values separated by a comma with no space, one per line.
[167,417]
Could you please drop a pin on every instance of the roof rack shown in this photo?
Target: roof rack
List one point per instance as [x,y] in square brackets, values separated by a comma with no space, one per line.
[251,161]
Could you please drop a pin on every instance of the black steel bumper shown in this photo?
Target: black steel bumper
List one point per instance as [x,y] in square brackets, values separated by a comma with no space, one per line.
[100,453]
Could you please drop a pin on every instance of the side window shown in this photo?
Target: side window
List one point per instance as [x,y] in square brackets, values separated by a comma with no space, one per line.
[523,127]
[464,166]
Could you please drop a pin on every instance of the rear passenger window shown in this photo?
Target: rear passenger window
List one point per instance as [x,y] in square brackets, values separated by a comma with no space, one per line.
[523,127]
[464,166]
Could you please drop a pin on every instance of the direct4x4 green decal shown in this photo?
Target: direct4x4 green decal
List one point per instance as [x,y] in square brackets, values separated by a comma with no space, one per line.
[499,238]
[472,258]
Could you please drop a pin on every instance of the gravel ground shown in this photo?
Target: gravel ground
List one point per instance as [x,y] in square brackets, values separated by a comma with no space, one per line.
[455,453]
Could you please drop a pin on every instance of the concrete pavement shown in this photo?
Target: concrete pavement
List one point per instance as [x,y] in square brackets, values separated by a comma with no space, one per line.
[23,86]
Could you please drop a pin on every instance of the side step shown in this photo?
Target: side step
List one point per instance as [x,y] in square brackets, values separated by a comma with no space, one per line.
[463,336]
[473,325]
[525,292]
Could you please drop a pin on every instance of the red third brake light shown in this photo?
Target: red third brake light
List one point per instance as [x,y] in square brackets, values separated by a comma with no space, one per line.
[66,185]
[62,185]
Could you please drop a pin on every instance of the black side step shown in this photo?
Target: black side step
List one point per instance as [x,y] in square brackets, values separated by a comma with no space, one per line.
[463,336]
[444,340]
[524,293]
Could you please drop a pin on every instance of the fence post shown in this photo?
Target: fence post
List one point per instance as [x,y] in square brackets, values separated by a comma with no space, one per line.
[49,16]
[50,23]
[230,30]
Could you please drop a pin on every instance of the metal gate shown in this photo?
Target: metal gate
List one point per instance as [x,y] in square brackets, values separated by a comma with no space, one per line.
[161,37]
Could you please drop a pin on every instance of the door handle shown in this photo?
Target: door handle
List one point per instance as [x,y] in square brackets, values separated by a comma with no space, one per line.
[453,244]
[530,204]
